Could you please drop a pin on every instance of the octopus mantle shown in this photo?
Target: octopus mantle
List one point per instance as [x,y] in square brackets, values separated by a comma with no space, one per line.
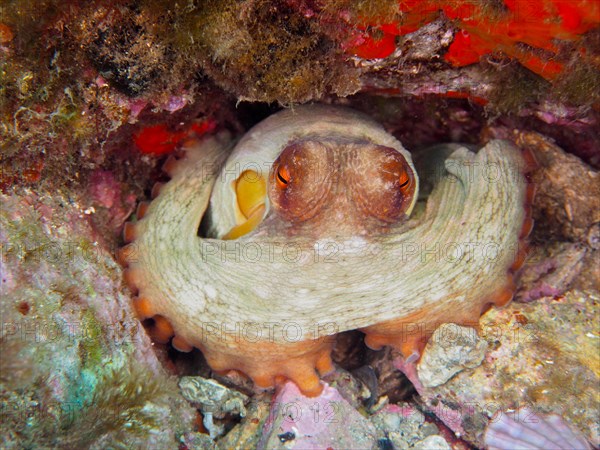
[270,305]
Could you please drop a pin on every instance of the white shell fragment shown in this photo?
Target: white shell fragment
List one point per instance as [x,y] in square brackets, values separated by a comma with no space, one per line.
[525,430]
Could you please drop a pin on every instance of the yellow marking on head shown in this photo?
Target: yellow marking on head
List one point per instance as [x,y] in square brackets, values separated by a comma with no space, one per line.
[249,225]
[250,192]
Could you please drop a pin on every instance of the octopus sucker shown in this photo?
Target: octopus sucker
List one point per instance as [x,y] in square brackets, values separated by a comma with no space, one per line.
[156,189]
[181,344]
[520,258]
[132,278]
[527,225]
[301,362]
[162,330]
[124,254]
[129,232]
[170,165]
[312,227]
[141,210]
[143,307]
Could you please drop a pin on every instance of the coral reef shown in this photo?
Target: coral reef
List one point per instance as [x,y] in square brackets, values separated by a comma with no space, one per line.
[69,97]
[567,190]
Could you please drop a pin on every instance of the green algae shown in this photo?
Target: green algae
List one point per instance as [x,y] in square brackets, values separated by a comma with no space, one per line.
[263,50]
[579,84]
[116,405]
[91,348]
[514,87]
[121,405]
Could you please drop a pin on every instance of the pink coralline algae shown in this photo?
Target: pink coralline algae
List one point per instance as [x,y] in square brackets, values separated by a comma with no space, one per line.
[326,421]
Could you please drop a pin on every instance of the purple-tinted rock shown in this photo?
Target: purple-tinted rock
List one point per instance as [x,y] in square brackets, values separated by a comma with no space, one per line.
[326,421]
[550,271]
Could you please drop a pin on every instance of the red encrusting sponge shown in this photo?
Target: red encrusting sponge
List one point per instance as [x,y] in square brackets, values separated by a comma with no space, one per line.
[539,24]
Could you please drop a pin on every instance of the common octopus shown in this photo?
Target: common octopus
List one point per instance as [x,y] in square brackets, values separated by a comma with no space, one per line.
[259,252]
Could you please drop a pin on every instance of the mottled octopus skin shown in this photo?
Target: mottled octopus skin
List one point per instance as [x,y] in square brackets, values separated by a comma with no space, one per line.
[270,304]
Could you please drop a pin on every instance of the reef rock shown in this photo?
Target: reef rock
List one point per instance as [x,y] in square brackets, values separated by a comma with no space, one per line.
[542,355]
[77,369]
[403,426]
[568,190]
[451,349]
[248,432]
[213,399]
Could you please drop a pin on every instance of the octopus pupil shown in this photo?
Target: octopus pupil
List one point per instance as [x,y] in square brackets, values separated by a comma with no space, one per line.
[404,184]
[283,180]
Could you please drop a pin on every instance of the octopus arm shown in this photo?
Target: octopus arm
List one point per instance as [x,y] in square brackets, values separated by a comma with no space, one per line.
[460,257]
[250,305]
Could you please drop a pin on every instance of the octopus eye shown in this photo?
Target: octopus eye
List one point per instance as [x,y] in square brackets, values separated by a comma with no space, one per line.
[383,183]
[283,177]
[299,180]
[404,181]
